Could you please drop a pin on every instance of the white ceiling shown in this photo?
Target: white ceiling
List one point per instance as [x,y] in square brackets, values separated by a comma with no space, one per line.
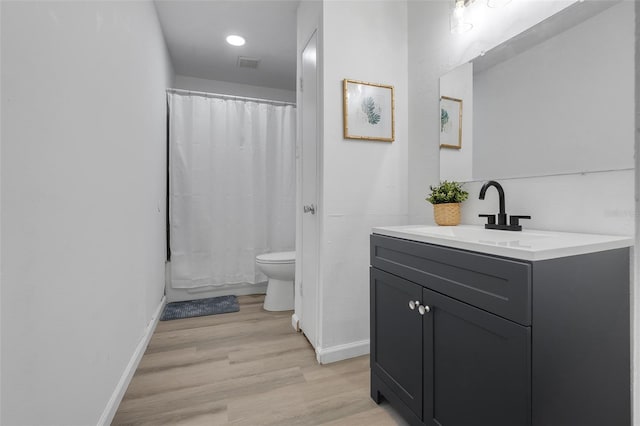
[195,33]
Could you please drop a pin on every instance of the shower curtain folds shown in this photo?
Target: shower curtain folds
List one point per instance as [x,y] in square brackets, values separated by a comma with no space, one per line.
[232,187]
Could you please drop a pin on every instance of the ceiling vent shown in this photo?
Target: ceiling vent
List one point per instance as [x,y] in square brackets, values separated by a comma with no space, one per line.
[245,62]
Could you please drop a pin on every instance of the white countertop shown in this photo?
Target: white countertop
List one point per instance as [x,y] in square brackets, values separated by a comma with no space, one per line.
[525,245]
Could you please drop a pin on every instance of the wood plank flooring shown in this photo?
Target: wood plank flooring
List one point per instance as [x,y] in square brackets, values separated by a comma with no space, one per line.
[245,368]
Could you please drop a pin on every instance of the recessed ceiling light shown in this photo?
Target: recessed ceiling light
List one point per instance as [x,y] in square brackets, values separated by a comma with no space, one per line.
[235,40]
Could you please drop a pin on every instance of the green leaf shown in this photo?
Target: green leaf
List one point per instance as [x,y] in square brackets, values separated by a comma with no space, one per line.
[447,192]
[444,118]
[369,108]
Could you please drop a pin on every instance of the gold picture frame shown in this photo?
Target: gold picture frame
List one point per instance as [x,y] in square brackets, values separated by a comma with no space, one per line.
[450,122]
[368,111]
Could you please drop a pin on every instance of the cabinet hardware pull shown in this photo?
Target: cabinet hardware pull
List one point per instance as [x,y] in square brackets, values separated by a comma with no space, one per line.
[413,305]
[422,309]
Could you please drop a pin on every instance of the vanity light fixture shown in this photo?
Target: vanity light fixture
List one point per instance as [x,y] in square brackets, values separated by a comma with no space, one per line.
[235,40]
[458,23]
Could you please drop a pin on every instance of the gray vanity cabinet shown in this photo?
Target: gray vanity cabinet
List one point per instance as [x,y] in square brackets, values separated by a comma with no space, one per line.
[457,364]
[396,352]
[455,339]
[477,368]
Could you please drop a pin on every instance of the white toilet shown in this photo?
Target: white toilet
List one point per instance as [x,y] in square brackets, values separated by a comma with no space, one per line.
[280,268]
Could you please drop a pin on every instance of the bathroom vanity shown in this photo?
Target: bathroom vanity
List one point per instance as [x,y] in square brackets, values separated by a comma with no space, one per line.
[481,327]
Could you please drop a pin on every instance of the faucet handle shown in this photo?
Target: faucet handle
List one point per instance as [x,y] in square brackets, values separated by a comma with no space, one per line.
[515,220]
[491,218]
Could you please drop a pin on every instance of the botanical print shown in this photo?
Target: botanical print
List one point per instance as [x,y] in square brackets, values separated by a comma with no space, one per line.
[368,111]
[450,122]
[371,110]
[444,119]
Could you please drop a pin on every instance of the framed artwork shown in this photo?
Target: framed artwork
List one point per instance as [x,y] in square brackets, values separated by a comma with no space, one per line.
[450,122]
[368,111]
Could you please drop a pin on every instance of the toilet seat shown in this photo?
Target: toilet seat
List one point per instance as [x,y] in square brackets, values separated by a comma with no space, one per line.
[277,257]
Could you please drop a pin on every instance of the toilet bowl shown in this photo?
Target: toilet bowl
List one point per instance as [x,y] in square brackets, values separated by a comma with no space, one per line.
[280,268]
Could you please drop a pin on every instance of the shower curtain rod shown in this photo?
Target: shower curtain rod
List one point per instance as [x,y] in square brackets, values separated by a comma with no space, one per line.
[221,96]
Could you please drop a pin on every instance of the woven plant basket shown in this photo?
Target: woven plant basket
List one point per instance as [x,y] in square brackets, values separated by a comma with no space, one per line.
[447,214]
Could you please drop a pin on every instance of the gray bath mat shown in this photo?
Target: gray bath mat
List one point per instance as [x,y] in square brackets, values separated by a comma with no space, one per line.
[200,307]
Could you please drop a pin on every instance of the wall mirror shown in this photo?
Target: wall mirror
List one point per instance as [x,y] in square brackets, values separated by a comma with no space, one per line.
[556,99]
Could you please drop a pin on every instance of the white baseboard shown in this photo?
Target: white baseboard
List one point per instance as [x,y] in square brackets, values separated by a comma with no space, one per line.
[114,402]
[340,352]
[295,322]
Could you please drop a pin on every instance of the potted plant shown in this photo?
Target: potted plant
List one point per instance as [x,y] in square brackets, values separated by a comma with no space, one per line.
[446,198]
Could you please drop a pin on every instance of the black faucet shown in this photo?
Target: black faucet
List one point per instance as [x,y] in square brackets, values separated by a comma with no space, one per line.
[502,216]
[514,221]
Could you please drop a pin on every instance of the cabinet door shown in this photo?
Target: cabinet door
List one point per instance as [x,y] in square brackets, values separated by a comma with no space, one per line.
[396,338]
[477,366]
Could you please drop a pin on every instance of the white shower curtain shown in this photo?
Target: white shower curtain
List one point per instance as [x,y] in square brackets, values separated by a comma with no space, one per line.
[232,187]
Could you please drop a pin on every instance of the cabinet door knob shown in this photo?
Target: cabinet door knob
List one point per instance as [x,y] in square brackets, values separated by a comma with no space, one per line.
[422,309]
[413,305]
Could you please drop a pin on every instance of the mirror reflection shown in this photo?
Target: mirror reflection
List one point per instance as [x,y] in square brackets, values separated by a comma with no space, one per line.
[556,99]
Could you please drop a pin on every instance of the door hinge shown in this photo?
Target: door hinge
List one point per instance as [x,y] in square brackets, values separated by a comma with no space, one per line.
[301,83]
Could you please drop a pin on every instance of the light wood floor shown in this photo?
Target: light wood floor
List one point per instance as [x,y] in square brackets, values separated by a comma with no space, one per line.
[245,368]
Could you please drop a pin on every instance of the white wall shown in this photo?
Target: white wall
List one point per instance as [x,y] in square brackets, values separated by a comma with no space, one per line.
[83,210]
[572,202]
[235,89]
[364,182]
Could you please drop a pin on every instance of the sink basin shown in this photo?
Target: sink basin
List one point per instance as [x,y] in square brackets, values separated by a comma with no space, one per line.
[526,245]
